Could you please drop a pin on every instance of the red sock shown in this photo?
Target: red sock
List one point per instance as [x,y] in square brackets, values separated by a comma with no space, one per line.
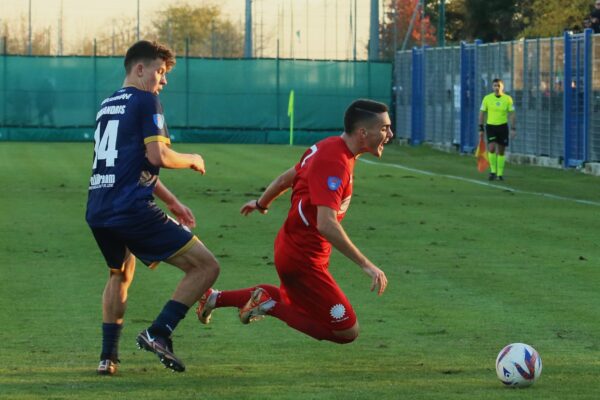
[239,298]
[303,323]
[272,290]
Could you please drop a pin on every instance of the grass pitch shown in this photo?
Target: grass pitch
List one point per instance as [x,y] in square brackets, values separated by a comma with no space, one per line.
[471,268]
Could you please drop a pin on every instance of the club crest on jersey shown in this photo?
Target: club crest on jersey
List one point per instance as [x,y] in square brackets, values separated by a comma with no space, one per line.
[159,120]
[337,311]
[333,182]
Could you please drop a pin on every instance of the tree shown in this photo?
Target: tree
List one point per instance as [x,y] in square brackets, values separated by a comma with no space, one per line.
[112,42]
[552,17]
[455,21]
[394,29]
[504,20]
[209,34]
[17,38]
[490,21]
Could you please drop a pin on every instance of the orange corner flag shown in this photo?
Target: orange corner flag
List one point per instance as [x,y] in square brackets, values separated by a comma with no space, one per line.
[482,156]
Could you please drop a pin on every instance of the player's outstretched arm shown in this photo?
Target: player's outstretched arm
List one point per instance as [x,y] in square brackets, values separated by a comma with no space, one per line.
[183,214]
[332,230]
[160,155]
[275,189]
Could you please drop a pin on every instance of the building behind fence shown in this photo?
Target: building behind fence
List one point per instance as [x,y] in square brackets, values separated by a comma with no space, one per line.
[554,82]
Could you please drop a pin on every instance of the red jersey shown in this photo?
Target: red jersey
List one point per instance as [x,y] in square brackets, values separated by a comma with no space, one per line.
[323,178]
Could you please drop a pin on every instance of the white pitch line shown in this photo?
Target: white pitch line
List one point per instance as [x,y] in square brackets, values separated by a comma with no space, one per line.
[502,187]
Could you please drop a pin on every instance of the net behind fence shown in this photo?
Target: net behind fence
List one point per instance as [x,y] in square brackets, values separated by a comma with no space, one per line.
[54,98]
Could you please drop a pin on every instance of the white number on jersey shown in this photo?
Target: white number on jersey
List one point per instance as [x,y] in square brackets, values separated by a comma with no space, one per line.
[106,143]
[313,150]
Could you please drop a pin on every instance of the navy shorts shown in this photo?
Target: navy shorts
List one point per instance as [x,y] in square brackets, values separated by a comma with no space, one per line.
[154,237]
[497,134]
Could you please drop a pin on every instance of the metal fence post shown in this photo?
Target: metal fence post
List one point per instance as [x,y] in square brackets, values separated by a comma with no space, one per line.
[468,91]
[4,74]
[500,64]
[526,101]
[464,90]
[187,82]
[418,96]
[576,100]
[538,98]
[478,95]
[551,77]
[277,105]
[512,66]
[369,83]
[444,103]
[587,84]
[567,98]
[95,80]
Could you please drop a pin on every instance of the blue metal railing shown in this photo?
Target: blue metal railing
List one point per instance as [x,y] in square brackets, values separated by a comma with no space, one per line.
[552,86]
[468,92]
[577,98]
[418,97]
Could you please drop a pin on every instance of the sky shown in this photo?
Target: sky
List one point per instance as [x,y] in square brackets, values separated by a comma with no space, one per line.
[314,29]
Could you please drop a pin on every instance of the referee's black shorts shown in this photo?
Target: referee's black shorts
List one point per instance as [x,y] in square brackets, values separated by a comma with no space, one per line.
[497,134]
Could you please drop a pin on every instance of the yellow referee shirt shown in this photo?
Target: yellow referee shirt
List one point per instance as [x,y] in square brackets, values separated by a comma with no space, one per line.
[497,108]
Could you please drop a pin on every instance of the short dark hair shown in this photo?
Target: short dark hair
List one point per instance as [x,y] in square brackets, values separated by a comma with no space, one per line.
[498,80]
[146,52]
[362,110]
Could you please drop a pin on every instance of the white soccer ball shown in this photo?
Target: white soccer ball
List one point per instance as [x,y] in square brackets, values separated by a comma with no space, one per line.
[518,365]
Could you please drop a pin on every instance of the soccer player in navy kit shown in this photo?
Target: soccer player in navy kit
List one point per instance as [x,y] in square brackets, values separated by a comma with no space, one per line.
[131,144]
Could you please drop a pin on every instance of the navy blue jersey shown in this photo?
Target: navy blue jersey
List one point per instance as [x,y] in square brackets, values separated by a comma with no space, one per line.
[123,179]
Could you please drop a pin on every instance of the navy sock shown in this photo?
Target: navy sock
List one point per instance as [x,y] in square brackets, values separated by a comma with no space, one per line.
[110,341]
[169,317]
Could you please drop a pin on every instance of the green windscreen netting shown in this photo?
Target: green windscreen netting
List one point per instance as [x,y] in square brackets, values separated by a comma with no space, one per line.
[56,98]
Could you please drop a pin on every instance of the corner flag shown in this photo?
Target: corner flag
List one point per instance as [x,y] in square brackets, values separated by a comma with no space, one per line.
[482,156]
[291,115]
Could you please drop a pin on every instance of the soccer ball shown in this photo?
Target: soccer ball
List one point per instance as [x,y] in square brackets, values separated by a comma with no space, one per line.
[518,365]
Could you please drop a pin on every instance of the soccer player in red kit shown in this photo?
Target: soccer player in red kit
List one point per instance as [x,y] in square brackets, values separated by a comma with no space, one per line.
[308,299]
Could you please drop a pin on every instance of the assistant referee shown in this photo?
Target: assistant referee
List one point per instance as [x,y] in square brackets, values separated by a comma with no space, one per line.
[498,106]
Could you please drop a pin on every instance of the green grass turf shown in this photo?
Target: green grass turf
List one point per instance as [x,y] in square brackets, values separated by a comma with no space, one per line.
[471,268]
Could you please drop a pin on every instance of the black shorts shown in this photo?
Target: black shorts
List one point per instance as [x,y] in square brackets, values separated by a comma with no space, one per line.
[154,237]
[497,134]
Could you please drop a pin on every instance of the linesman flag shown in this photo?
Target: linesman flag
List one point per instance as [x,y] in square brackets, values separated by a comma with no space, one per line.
[291,104]
[482,156]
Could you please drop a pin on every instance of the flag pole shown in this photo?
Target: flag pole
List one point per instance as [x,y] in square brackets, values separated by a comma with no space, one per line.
[291,115]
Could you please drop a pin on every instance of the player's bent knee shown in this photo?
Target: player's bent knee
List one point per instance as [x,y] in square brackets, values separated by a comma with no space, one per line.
[207,262]
[347,335]
[212,268]
[207,269]
[120,277]
[198,259]
[124,275]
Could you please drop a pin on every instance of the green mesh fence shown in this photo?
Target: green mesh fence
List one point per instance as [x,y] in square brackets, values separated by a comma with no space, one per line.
[211,100]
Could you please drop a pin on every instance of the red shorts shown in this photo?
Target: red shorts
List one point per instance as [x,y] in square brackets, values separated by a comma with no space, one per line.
[312,290]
